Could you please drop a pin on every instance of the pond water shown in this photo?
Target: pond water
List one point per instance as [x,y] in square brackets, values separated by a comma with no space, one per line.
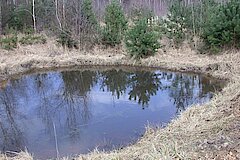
[76,111]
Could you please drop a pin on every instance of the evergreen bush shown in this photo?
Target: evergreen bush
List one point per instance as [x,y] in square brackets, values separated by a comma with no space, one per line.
[88,16]
[32,39]
[140,12]
[115,24]
[28,31]
[20,18]
[175,24]
[66,40]
[223,27]
[9,42]
[89,33]
[141,40]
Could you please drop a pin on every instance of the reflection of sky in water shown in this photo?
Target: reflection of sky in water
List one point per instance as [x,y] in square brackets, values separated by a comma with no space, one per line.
[85,108]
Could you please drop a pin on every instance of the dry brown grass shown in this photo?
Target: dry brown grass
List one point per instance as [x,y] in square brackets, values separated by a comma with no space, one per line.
[17,156]
[209,131]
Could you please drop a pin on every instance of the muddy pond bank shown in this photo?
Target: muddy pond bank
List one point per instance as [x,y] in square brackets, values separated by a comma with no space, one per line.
[28,59]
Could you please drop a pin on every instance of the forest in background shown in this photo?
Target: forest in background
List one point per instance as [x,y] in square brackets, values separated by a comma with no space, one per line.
[209,26]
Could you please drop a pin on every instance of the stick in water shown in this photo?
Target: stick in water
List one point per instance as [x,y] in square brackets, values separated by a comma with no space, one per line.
[56,143]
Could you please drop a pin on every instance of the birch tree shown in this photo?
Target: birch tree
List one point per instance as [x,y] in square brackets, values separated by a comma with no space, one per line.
[57,16]
[33,16]
[1,19]
[63,13]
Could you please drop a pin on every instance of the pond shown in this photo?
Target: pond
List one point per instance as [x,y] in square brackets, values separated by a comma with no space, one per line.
[70,112]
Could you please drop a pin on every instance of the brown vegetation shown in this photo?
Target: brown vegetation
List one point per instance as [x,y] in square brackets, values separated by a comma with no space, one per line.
[209,131]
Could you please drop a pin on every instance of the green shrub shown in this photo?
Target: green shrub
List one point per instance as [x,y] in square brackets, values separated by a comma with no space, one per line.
[20,17]
[32,39]
[141,40]
[66,40]
[9,42]
[10,31]
[88,16]
[153,21]
[175,24]
[199,13]
[115,24]
[223,27]
[89,27]
[140,12]
[28,31]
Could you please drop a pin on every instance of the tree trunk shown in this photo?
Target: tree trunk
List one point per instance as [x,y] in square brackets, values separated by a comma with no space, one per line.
[33,16]
[1,17]
[193,22]
[63,14]
[59,22]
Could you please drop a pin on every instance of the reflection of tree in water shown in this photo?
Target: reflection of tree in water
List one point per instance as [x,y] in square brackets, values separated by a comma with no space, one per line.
[188,89]
[63,98]
[10,133]
[70,99]
[143,85]
[115,81]
[77,85]
[209,86]
[46,108]
[182,90]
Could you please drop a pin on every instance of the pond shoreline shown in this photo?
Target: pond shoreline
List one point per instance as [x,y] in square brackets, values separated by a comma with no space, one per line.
[206,131]
[26,59]
[89,67]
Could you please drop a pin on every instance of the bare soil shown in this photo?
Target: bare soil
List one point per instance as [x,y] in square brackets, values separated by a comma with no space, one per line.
[209,131]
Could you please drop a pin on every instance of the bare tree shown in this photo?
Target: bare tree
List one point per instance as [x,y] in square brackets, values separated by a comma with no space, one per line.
[1,19]
[63,13]
[59,22]
[33,16]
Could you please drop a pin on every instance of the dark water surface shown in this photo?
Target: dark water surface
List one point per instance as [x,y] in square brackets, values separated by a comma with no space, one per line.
[88,109]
